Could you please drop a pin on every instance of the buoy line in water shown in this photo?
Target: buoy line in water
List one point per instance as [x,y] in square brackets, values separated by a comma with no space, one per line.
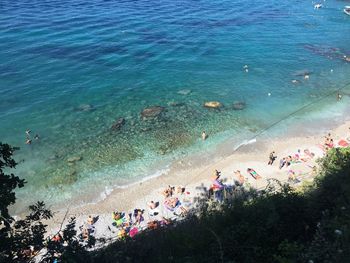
[253,138]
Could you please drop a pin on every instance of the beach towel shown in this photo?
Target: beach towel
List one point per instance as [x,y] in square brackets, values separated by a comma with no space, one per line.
[343,143]
[119,222]
[153,212]
[167,205]
[217,185]
[133,231]
[254,174]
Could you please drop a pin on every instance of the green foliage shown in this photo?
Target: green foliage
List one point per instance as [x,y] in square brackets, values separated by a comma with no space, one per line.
[69,248]
[22,240]
[25,234]
[8,182]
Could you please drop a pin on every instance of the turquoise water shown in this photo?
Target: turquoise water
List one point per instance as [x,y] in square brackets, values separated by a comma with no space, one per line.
[70,69]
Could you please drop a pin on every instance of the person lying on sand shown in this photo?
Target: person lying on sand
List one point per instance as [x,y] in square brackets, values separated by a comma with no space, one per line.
[216,182]
[216,175]
[168,191]
[85,233]
[254,174]
[90,220]
[152,205]
[165,221]
[57,238]
[152,224]
[330,144]
[288,160]
[217,185]
[153,208]
[240,177]
[138,215]
[116,216]
[328,141]
[282,162]
[180,190]
[171,202]
[307,155]
[292,177]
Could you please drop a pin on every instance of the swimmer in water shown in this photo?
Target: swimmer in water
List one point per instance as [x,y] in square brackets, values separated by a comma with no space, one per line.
[339,96]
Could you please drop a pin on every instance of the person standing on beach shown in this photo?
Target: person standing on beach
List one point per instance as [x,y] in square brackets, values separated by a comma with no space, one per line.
[272,158]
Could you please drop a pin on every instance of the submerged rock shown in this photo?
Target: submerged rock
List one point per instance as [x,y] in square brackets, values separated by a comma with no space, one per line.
[212,104]
[73,173]
[184,92]
[239,105]
[152,112]
[145,129]
[302,73]
[74,159]
[118,124]
[85,107]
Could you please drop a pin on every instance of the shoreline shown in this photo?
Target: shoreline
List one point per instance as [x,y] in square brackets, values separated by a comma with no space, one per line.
[84,193]
[194,175]
[296,127]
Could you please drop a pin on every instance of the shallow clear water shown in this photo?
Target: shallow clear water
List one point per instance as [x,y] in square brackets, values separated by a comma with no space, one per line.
[70,69]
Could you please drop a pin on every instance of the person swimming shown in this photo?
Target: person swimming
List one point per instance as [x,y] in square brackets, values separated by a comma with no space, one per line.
[339,96]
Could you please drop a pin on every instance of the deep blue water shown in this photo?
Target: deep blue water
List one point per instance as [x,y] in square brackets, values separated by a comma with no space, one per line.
[119,57]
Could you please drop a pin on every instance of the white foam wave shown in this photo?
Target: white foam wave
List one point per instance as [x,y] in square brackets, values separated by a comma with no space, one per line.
[108,190]
[245,142]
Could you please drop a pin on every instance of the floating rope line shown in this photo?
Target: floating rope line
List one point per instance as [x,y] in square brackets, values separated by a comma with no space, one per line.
[298,110]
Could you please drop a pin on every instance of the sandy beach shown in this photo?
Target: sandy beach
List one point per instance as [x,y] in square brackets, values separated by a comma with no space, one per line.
[195,175]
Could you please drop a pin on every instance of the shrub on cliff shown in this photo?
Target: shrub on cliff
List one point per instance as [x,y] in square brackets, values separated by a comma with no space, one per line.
[23,240]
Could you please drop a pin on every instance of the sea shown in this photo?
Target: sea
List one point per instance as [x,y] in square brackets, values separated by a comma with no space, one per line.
[69,70]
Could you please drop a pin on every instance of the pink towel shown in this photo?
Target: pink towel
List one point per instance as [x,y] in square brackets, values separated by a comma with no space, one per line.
[343,143]
[133,231]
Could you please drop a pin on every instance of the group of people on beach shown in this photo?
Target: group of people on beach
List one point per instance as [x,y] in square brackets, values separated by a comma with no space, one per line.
[175,204]
[218,187]
[328,142]
[177,201]
[239,180]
